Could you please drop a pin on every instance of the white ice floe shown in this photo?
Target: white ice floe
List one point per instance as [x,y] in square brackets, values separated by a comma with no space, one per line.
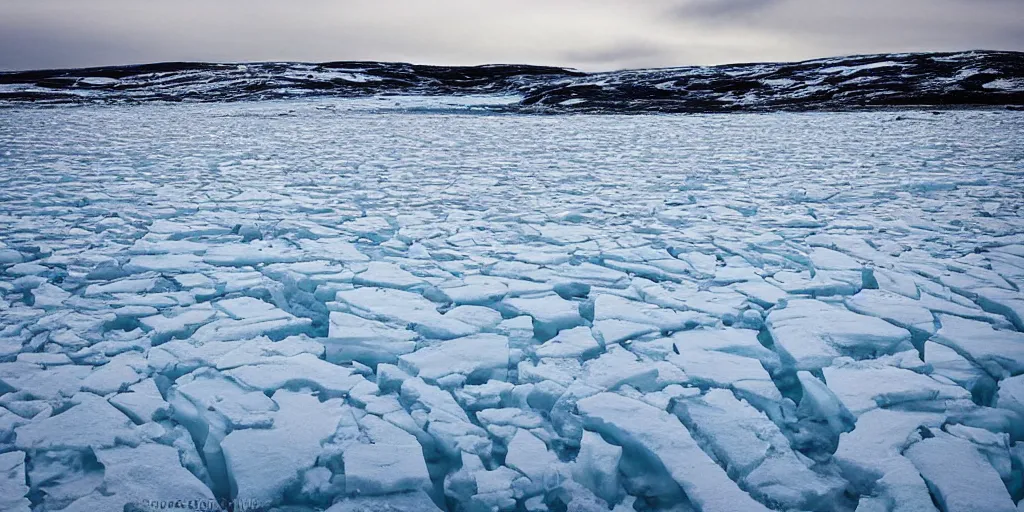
[303,369]
[374,469]
[575,343]
[863,386]
[970,484]
[811,334]
[405,308]
[1010,395]
[1000,353]
[755,451]
[894,308]
[871,458]
[479,357]
[597,467]
[143,476]
[352,338]
[530,456]
[550,313]
[247,317]
[417,501]
[746,376]
[12,482]
[649,433]
[90,423]
[261,463]
[142,402]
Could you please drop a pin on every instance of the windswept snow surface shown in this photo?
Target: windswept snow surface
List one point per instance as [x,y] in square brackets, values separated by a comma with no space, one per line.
[314,305]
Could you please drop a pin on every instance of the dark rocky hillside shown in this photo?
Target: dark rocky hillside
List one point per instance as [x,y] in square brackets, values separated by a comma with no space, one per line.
[943,80]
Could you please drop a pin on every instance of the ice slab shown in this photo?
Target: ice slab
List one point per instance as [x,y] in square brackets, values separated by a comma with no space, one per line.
[745,375]
[819,402]
[959,477]
[550,313]
[250,318]
[740,342]
[375,469]
[528,455]
[866,385]
[652,433]
[352,338]
[897,309]
[387,275]
[489,395]
[1010,395]
[823,283]
[91,423]
[823,258]
[613,307]
[48,296]
[333,248]
[38,381]
[212,393]
[404,308]
[145,476]
[301,370]
[947,363]
[445,420]
[871,458]
[264,350]
[170,263]
[618,367]
[1000,353]
[263,463]
[611,332]
[179,322]
[812,334]
[114,376]
[597,466]
[142,403]
[577,342]
[417,501]
[476,290]
[480,357]
[756,452]
[722,303]
[13,489]
[482,317]
[562,371]
[1003,302]
[255,252]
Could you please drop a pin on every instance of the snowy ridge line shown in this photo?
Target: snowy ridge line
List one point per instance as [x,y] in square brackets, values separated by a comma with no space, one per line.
[913,80]
[215,304]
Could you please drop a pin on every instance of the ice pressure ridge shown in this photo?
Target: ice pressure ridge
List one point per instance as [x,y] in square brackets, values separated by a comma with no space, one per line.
[467,313]
[943,80]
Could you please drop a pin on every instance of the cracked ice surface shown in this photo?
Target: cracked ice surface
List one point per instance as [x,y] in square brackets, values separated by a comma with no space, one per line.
[288,306]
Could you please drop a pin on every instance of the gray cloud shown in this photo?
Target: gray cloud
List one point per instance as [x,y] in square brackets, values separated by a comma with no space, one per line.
[588,34]
[23,47]
[720,8]
[619,55]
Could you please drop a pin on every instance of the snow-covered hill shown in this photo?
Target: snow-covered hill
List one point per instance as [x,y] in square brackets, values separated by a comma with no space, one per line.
[967,79]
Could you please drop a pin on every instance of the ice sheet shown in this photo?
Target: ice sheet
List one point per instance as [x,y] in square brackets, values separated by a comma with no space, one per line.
[343,309]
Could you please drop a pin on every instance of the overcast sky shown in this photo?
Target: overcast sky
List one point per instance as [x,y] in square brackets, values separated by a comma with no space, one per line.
[586,34]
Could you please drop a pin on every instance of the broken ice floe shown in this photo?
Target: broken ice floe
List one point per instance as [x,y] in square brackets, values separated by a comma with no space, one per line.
[314,325]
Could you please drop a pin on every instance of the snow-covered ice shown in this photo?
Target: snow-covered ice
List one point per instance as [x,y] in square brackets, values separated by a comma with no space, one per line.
[375,469]
[290,307]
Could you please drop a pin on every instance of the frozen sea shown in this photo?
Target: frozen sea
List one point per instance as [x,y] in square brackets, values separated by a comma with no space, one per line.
[351,305]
